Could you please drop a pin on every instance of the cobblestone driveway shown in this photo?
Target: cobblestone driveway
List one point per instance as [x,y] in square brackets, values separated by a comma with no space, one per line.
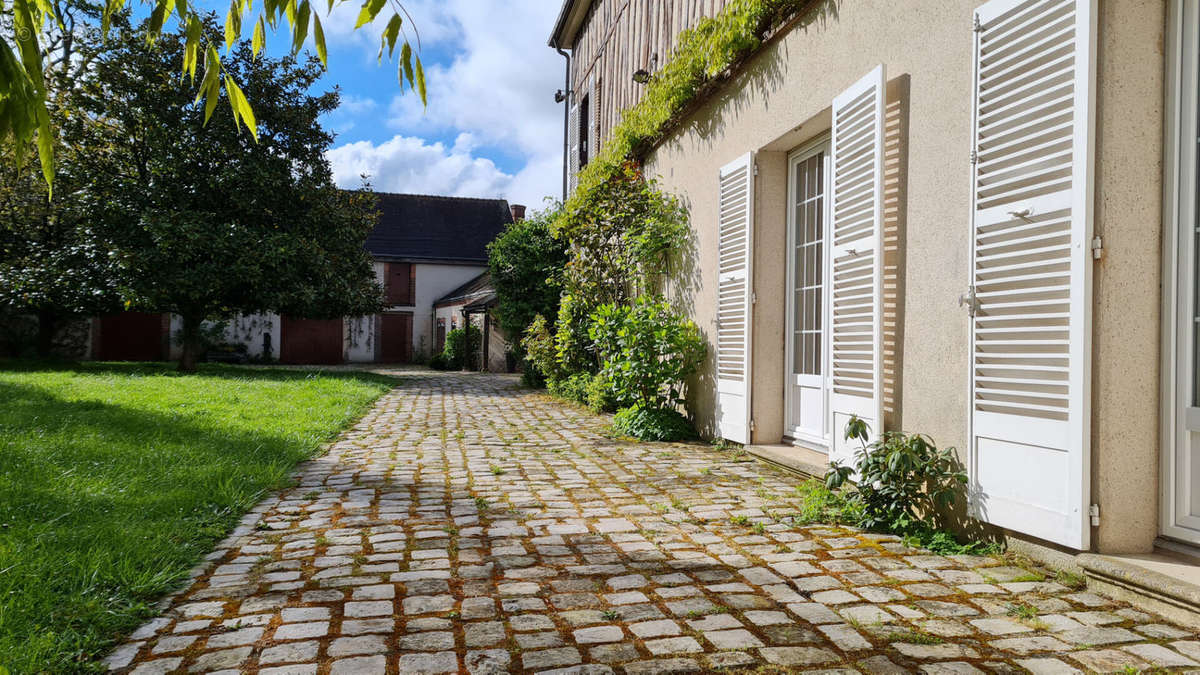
[466,525]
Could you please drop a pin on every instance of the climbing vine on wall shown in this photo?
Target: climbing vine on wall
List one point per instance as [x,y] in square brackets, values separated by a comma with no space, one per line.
[701,55]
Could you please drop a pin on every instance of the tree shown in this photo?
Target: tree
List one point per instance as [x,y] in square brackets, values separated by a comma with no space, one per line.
[526,264]
[205,221]
[52,263]
[26,25]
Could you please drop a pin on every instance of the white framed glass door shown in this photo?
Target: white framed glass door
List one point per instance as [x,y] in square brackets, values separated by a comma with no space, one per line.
[806,391]
[1181,479]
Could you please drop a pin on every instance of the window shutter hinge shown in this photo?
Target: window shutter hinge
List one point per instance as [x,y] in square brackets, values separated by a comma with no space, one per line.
[752,425]
[977,25]
[1097,247]
[756,168]
[753,298]
[1094,512]
[974,157]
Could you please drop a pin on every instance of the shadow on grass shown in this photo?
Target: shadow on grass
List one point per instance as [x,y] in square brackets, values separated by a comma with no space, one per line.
[112,491]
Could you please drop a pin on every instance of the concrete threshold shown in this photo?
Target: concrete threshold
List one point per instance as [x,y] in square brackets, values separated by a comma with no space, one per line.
[800,460]
[1164,582]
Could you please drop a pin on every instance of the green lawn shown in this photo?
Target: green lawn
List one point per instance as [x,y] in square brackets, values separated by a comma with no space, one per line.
[115,479]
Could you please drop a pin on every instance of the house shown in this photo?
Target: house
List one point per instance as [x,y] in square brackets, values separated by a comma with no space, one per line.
[423,247]
[473,302]
[972,219]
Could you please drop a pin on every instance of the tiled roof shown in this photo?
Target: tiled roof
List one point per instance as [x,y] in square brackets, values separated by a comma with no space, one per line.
[476,291]
[430,228]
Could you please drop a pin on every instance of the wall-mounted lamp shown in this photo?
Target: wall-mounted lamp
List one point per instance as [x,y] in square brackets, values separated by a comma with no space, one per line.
[641,76]
[560,96]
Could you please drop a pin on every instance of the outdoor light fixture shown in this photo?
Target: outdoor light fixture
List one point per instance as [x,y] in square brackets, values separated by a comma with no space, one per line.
[642,75]
[559,96]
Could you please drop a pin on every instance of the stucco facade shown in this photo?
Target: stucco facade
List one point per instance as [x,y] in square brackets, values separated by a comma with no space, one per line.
[781,99]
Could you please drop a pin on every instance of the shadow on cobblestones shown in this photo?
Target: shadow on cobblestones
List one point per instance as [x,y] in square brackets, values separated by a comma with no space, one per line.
[469,525]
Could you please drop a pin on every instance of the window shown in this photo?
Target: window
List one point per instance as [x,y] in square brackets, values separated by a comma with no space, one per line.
[399,284]
[808,276]
[585,118]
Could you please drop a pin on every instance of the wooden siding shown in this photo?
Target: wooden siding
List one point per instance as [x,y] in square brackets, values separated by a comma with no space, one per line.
[620,36]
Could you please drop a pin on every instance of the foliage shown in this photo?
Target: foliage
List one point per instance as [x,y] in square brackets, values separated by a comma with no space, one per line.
[600,395]
[947,543]
[903,481]
[54,265]
[438,361]
[700,56]
[540,353]
[119,478]
[573,388]
[18,335]
[586,389]
[38,26]
[819,504]
[621,238]
[653,424]
[572,344]
[207,223]
[647,351]
[462,348]
[526,264]
[530,376]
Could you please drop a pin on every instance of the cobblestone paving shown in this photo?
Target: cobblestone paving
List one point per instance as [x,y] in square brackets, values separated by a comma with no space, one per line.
[466,525]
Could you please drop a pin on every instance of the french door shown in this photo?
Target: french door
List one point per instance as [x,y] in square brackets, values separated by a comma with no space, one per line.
[807,375]
[1181,477]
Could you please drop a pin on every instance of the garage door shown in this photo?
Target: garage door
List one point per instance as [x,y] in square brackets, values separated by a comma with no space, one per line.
[310,341]
[396,337]
[131,336]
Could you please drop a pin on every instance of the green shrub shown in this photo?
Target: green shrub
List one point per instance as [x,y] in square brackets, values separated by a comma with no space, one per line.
[572,388]
[600,395]
[526,264]
[653,424]
[462,348]
[647,351]
[438,361]
[572,345]
[530,375]
[540,354]
[903,481]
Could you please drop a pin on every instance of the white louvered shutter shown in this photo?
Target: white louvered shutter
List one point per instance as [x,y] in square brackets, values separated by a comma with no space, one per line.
[594,122]
[735,255]
[1031,266]
[856,367]
[572,144]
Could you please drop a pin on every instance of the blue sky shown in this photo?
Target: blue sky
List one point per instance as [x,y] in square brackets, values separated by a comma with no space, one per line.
[492,128]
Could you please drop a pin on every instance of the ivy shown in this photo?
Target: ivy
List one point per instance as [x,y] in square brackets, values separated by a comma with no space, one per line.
[702,53]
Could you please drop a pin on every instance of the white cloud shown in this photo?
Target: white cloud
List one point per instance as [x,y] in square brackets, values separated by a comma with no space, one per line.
[496,90]
[409,164]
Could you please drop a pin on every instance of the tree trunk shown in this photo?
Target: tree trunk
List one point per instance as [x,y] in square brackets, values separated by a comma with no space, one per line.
[190,341]
[47,327]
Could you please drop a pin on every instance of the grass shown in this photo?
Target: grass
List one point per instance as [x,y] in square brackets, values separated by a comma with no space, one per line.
[118,478]
[1022,611]
[819,504]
